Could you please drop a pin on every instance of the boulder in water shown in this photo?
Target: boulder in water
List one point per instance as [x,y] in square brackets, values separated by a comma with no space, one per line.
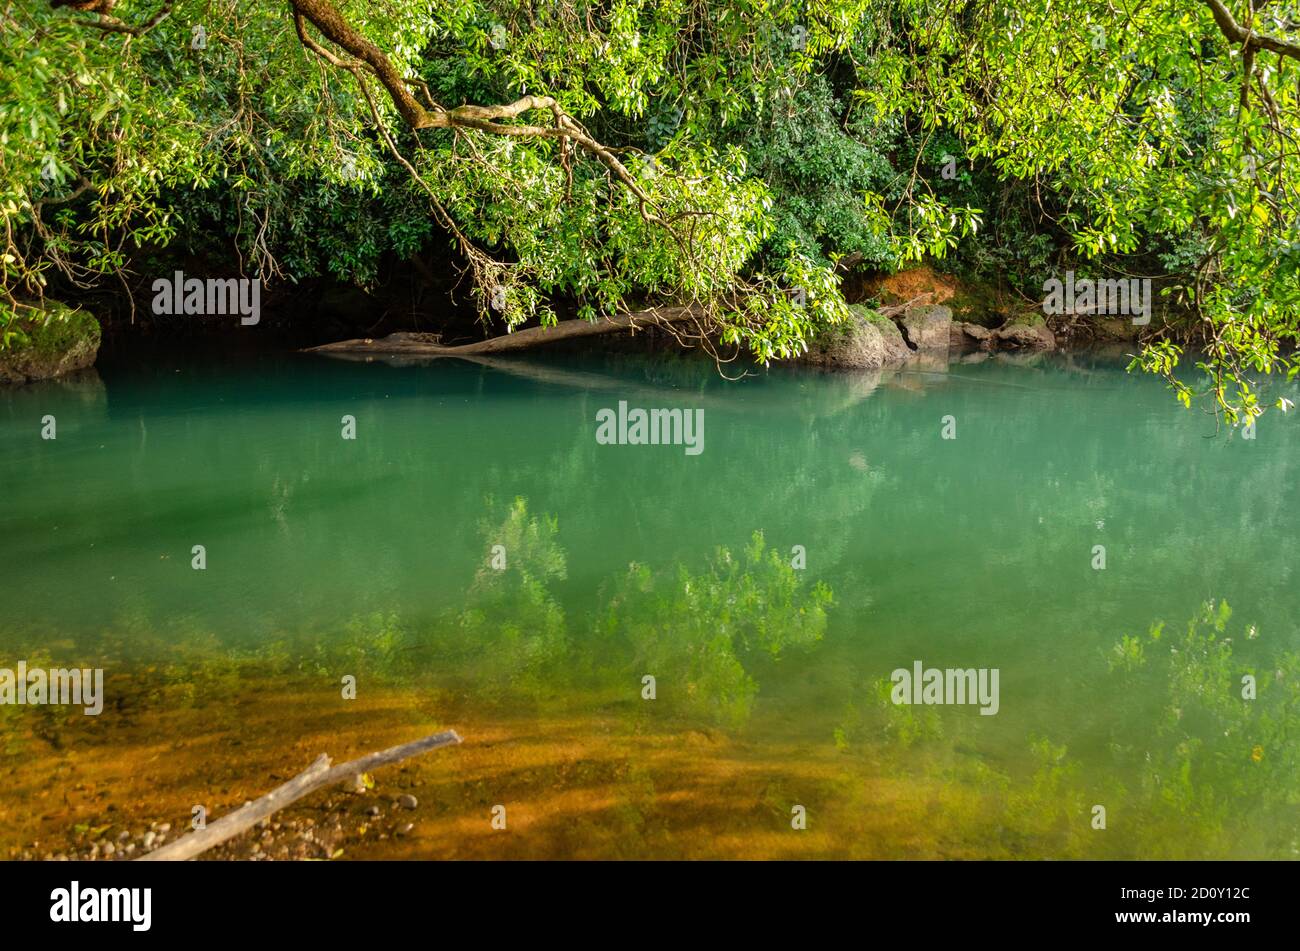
[57,340]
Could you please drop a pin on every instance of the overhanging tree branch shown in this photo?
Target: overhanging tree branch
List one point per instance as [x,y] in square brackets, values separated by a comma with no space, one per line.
[326,17]
[1246,37]
[111,24]
[364,59]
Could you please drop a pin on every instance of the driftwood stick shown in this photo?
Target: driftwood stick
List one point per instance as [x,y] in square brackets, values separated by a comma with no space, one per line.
[319,774]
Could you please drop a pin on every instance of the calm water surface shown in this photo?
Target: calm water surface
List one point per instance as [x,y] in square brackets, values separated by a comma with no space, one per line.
[373,557]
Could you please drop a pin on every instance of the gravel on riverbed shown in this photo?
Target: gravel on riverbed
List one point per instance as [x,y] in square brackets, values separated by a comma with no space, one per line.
[308,830]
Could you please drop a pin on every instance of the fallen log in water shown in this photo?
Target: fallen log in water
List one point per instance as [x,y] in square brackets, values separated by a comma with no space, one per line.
[424,345]
[319,774]
[519,340]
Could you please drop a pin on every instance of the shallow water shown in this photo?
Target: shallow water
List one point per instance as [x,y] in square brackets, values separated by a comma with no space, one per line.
[373,558]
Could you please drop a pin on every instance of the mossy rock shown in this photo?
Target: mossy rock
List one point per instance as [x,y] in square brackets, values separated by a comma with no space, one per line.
[865,341]
[927,327]
[1026,331]
[61,339]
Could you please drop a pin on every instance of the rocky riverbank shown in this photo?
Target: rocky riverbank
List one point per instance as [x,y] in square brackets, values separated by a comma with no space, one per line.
[922,315]
[899,318]
[878,340]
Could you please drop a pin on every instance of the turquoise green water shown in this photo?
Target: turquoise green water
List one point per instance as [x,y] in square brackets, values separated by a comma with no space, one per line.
[972,552]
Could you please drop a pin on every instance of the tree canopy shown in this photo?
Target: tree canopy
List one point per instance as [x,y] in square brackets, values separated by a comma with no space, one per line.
[738,156]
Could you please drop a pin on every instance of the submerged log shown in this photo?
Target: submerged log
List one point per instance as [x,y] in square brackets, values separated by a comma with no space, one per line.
[426,345]
[316,776]
[519,340]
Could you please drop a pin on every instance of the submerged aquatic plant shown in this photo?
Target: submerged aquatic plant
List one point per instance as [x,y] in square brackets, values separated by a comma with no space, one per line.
[512,622]
[1215,774]
[693,632]
[905,723]
[1223,750]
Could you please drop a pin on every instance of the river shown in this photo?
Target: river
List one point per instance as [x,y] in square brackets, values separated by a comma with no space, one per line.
[476,559]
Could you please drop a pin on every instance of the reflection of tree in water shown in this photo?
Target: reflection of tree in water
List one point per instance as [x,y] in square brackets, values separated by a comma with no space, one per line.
[1195,769]
[692,632]
[696,633]
[511,617]
[1216,772]
[1192,767]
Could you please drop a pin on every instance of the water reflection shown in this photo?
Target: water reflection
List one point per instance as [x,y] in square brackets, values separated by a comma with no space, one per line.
[375,558]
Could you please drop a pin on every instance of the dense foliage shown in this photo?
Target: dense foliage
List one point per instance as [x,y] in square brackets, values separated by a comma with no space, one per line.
[734,154]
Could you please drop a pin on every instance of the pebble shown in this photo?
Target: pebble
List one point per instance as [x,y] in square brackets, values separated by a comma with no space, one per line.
[408,801]
[148,839]
[165,827]
[406,829]
[372,811]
